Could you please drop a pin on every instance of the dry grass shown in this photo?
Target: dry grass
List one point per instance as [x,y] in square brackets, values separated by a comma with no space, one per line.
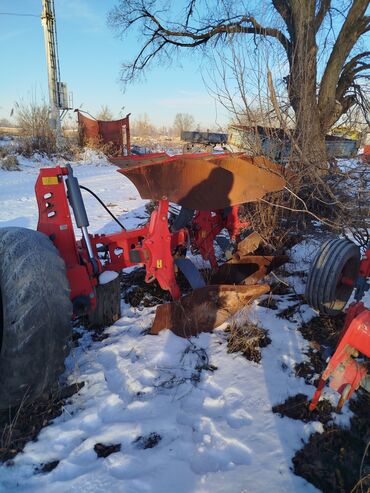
[34,128]
[248,339]
[9,131]
[107,148]
[18,426]
[9,163]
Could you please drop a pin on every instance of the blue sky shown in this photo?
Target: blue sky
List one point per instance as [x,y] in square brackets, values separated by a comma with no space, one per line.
[90,58]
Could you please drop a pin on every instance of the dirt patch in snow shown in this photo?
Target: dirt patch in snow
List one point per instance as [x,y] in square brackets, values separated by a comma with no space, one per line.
[323,329]
[334,461]
[338,460]
[269,302]
[147,441]
[311,369]
[47,467]
[323,334]
[19,426]
[104,451]
[296,407]
[138,293]
[248,339]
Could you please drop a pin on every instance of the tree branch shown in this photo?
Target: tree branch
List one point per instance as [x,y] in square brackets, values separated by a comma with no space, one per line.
[353,27]
[350,69]
[320,16]
[182,35]
[222,28]
[284,8]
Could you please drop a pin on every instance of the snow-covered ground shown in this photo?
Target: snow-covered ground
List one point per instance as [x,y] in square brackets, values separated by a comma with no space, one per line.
[218,433]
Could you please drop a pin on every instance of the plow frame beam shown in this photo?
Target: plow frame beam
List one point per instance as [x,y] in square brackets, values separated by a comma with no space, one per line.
[151,245]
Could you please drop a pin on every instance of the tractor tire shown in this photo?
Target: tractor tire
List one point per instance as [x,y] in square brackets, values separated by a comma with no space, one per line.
[335,259]
[35,315]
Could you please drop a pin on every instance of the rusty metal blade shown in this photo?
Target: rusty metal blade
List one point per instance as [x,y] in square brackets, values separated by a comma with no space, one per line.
[207,182]
[204,309]
[248,245]
[246,270]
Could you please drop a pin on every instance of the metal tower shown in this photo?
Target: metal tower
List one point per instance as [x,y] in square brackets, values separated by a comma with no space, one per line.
[57,90]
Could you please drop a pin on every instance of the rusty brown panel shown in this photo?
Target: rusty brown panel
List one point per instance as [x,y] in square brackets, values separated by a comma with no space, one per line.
[127,161]
[102,131]
[205,183]
[204,309]
[246,270]
[260,175]
[248,245]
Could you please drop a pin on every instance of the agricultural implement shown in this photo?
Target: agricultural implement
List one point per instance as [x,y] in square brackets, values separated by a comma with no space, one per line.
[57,277]
[338,271]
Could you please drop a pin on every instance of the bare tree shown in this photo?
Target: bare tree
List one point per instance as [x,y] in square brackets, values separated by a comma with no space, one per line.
[142,127]
[33,120]
[320,39]
[4,122]
[104,114]
[183,121]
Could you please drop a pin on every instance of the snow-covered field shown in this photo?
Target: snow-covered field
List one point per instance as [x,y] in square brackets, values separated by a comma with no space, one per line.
[217,431]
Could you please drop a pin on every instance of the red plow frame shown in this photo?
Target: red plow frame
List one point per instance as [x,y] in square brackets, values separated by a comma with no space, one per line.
[155,245]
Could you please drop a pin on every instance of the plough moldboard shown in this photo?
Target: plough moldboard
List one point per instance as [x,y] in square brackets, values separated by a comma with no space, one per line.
[209,189]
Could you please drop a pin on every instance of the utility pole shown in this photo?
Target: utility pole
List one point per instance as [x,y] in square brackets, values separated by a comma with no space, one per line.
[58,97]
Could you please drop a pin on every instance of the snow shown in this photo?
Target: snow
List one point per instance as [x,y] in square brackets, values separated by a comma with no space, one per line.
[218,433]
[107,276]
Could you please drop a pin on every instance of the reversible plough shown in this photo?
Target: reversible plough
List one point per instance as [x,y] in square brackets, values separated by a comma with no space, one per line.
[209,190]
[48,276]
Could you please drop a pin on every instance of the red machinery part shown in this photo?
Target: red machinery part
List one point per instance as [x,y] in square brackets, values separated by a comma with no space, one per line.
[152,245]
[55,222]
[345,372]
[207,225]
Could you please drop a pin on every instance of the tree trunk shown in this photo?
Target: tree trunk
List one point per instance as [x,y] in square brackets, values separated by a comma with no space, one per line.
[302,84]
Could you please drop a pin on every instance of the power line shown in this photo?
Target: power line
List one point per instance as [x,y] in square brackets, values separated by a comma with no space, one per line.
[19,15]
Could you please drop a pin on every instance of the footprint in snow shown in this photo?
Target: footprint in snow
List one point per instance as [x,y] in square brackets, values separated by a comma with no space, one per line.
[213,451]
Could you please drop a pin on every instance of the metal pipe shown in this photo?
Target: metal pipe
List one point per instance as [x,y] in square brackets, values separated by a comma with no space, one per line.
[86,237]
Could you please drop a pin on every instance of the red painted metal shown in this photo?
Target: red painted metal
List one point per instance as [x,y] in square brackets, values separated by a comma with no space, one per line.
[55,222]
[207,225]
[151,245]
[233,223]
[345,372]
[157,251]
[365,265]
[366,154]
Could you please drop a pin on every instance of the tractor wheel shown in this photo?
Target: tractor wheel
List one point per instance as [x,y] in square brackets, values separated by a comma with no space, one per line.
[35,315]
[336,263]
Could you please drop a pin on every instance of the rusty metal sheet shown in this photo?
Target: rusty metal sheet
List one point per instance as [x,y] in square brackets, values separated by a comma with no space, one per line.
[246,270]
[248,245]
[204,309]
[206,182]
[106,132]
[124,162]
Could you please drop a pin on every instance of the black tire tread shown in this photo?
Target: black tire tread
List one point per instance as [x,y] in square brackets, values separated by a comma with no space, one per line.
[36,315]
[326,268]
